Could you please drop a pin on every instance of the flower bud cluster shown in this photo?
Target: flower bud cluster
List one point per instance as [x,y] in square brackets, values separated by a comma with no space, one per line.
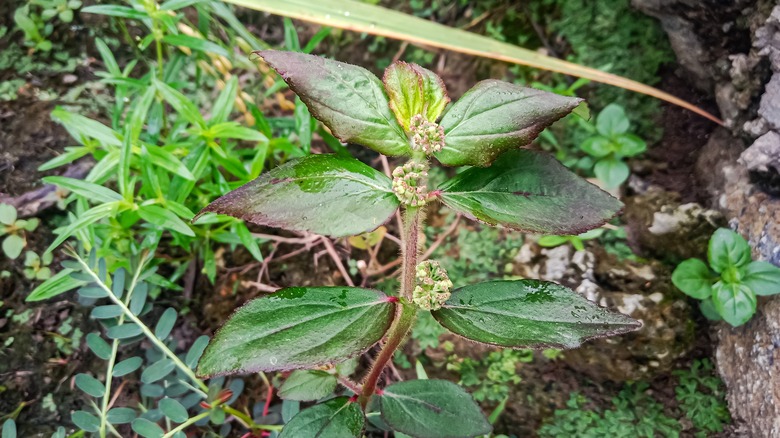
[409,183]
[426,136]
[433,286]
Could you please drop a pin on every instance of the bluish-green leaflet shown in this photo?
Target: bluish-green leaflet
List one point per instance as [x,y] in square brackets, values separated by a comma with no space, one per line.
[298,327]
[336,418]
[528,314]
[323,194]
[532,192]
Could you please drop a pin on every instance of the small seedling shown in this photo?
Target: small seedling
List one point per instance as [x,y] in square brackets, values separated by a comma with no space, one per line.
[14,229]
[37,267]
[611,144]
[729,286]
[576,241]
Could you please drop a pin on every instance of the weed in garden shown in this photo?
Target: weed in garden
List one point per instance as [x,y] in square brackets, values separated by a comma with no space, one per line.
[701,396]
[14,231]
[611,144]
[728,287]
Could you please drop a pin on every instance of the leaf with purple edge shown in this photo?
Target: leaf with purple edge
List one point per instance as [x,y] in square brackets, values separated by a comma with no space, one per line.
[531,192]
[298,327]
[414,90]
[348,99]
[528,314]
[496,116]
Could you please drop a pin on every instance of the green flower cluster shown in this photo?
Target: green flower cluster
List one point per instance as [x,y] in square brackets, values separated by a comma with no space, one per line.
[409,183]
[433,286]
[426,136]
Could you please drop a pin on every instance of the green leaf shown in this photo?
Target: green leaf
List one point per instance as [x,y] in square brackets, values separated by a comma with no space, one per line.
[90,385]
[146,428]
[174,410]
[194,43]
[249,242]
[88,190]
[124,331]
[597,146]
[120,415]
[348,99]
[552,241]
[336,418]
[735,302]
[90,216]
[98,346]
[224,103]
[727,249]
[324,194]
[298,327]
[72,153]
[162,158]
[414,90]
[308,385]
[116,11]
[127,366]
[196,351]
[612,171]
[693,277]
[13,245]
[165,323]
[528,314]
[180,103]
[157,370]
[532,192]
[763,278]
[9,428]
[60,283]
[432,409]
[612,121]
[496,116]
[85,421]
[630,145]
[7,214]
[709,311]
[236,131]
[164,218]
[81,127]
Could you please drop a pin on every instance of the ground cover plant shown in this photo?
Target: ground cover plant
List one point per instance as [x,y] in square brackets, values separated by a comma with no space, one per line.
[404,115]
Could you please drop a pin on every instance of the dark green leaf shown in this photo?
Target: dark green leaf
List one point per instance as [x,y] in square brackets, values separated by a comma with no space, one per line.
[709,311]
[106,312]
[336,418]
[157,370]
[693,277]
[127,366]
[763,278]
[532,192]
[166,323]
[196,351]
[85,421]
[496,116]
[172,409]
[124,331]
[735,302]
[120,415]
[58,284]
[324,194]
[146,428]
[290,409]
[348,99]
[90,385]
[298,328]
[432,409]
[307,385]
[528,314]
[727,249]
[98,346]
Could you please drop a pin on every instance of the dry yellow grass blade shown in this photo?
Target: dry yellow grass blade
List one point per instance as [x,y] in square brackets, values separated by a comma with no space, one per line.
[361,17]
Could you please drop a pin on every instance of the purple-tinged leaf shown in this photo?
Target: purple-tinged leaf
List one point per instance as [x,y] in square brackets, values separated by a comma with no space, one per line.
[323,194]
[531,192]
[298,327]
[348,99]
[496,116]
[528,314]
[414,90]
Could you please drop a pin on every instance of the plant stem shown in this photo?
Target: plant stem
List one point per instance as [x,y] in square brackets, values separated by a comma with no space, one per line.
[405,312]
[187,423]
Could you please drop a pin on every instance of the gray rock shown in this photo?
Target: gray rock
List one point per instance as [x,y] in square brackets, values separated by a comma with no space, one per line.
[770,102]
[763,155]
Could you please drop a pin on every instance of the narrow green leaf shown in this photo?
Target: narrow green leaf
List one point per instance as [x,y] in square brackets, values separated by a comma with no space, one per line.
[98,346]
[90,385]
[162,158]
[432,409]
[324,194]
[308,385]
[124,331]
[172,409]
[727,249]
[164,218]
[166,323]
[195,43]
[85,421]
[336,418]
[494,117]
[72,153]
[528,314]
[181,104]
[60,283]
[81,127]
[532,192]
[196,351]
[90,216]
[693,277]
[224,103]
[157,370]
[127,366]
[236,131]
[88,190]
[735,302]
[116,11]
[763,278]
[249,242]
[327,324]
[348,99]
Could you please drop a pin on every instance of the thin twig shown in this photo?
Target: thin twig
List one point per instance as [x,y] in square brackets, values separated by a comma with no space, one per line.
[439,240]
[335,256]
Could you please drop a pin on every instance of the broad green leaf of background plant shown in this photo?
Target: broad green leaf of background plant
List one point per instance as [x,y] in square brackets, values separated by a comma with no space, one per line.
[532,192]
[630,145]
[432,409]
[308,385]
[336,418]
[693,277]
[598,146]
[763,278]
[612,120]
[324,194]
[727,249]
[735,302]
[348,99]
[7,214]
[414,90]
[611,171]
[528,314]
[298,327]
[13,245]
[496,116]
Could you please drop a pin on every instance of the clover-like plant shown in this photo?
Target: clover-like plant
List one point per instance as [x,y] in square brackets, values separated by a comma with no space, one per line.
[14,230]
[407,115]
[729,286]
[611,144]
